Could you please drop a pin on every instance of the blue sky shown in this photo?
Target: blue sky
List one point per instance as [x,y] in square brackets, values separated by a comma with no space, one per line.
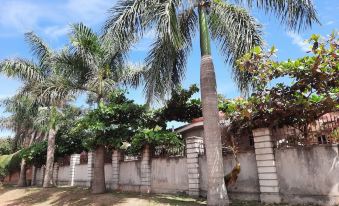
[51,19]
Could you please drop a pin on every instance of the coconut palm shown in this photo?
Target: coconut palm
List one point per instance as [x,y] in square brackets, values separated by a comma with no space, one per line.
[175,23]
[97,68]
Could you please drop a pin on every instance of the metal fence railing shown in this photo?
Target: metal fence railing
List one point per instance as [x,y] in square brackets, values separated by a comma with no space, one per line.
[163,151]
[325,130]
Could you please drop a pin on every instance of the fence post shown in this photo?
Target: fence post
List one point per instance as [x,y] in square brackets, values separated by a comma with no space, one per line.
[145,170]
[90,158]
[193,149]
[75,160]
[266,165]
[116,158]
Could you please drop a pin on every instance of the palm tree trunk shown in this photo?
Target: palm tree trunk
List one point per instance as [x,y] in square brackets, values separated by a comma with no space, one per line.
[48,179]
[216,192]
[99,171]
[22,177]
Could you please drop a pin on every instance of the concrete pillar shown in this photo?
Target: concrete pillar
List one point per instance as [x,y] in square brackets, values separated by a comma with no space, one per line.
[90,158]
[116,158]
[146,170]
[55,173]
[75,160]
[266,165]
[193,149]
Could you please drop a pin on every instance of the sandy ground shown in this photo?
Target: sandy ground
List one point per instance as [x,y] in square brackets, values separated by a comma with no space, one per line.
[32,196]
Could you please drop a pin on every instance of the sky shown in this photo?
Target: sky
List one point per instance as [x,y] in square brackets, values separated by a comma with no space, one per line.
[51,20]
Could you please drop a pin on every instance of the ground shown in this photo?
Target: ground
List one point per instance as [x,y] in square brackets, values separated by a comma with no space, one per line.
[34,196]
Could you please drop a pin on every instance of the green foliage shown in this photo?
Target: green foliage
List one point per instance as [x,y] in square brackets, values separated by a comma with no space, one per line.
[36,154]
[6,145]
[155,137]
[181,107]
[9,163]
[110,124]
[313,92]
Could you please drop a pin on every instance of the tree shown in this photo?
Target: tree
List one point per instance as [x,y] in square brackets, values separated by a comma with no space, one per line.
[98,68]
[107,127]
[175,23]
[23,111]
[40,79]
[313,92]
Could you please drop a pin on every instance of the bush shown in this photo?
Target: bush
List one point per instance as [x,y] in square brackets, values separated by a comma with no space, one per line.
[5,146]
[9,163]
[155,138]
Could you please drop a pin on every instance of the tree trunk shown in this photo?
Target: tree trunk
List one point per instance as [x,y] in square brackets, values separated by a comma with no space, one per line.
[216,192]
[34,170]
[99,186]
[48,179]
[22,178]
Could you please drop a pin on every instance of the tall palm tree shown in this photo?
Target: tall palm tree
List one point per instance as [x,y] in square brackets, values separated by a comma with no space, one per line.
[37,78]
[175,23]
[97,68]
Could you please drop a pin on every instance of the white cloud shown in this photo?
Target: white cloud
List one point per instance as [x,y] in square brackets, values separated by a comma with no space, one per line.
[299,41]
[51,18]
[56,31]
[330,22]
[20,16]
[89,11]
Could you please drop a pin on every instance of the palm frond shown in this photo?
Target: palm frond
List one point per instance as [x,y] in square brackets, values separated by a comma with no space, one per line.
[128,20]
[131,75]
[165,63]
[40,49]
[86,45]
[7,123]
[72,65]
[21,68]
[236,32]
[54,91]
[167,22]
[295,14]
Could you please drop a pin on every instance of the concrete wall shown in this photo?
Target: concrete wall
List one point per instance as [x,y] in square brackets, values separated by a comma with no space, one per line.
[130,179]
[80,177]
[39,177]
[64,175]
[108,175]
[303,174]
[169,175]
[309,174]
[247,185]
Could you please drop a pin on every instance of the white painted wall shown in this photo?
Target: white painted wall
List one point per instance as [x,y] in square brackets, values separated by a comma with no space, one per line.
[247,185]
[169,175]
[309,174]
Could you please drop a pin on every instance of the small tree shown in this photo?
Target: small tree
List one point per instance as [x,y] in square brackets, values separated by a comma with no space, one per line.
[106,128]
[313,92]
